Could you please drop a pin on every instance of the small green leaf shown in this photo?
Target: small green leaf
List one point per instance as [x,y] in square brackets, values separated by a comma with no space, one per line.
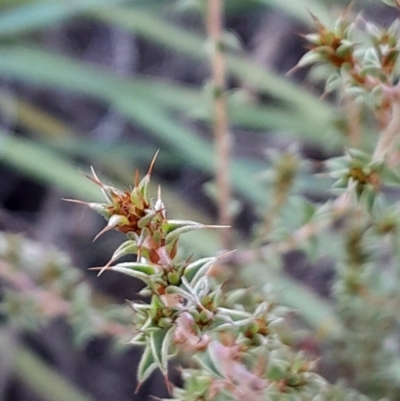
[165,354]
[197,266]
[138,339]
[144,187]
[147,365]
[175,228]
[391,3]
[146,268]
[236,295]
[132,272]
[173,289]
[202,271]
[207,363]
[310,57]
[144,221]
[235,315]
[156,344]
[136,198]
[391,177]
[172,225]
[126,248]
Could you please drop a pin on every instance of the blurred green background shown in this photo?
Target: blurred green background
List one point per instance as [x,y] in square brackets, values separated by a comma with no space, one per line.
[107,83]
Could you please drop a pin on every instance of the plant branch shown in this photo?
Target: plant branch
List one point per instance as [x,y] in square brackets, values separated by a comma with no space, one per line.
[221,133]
[389,135]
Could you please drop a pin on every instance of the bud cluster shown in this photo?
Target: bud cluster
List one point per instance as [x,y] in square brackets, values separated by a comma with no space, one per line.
[357,170]
[366,68]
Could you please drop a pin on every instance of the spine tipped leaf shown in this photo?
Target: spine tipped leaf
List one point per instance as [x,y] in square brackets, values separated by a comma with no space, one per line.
[160,341]
[146,268]
[206,362]
[199,268]
[146,366]
[127,248]
[140,271]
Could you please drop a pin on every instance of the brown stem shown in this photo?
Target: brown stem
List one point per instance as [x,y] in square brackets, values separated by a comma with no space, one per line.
[221,133]
[353,111]
[389,135]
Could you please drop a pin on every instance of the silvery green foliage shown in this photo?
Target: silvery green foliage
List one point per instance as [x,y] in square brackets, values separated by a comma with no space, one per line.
[233,338]
[39,283]
[360,62]
[392,3]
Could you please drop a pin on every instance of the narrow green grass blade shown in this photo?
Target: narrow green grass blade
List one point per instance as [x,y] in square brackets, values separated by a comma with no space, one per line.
[129,100]
[41,14]
[33,64]
[137,109]
[43,380]
[45,166]
[180,40]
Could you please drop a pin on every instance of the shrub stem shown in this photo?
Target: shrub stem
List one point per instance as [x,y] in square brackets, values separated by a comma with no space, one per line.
[389,135]
[221,131]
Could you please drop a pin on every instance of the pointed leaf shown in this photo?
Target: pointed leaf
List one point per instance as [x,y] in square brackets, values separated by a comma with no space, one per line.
[172,225]
[205,361]
[126,248]
[391,177]
[133,273]
[197,266]
[235,315]
[157,345]
[145,220]
[146,268]
[147,365]
[166,346]
[203,271]
[173,289]
[199,290]
[181,227]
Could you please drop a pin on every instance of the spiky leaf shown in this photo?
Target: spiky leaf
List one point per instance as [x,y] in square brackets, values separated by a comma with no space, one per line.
[141,272]
[198,268]
[147,365]
[126,248]
[160,341]
[207,363]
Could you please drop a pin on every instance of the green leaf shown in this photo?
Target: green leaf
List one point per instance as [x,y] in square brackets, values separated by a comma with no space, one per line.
[126,248]
[156,343]
[147,365]
[42,14]
[202,271]
[147,268]
[165,350]
[207,363]
[172,225]
[175,38]
[175,228]
[390,177]
[173,289]
[195,271]
[235,315]
[145,220]
[42,379]
[133,273]
[44,165]
[160,341]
